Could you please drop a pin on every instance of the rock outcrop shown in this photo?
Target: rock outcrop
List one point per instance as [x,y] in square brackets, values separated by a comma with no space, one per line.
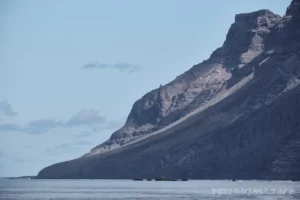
[235,115]
[199,85]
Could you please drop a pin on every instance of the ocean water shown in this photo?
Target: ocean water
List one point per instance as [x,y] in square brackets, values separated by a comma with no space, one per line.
[149,190]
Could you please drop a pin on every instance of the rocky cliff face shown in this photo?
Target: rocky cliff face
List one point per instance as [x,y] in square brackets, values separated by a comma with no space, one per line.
[199,85]
[233,115]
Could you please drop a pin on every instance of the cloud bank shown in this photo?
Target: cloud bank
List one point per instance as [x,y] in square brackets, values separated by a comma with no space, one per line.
[10,127]
[86,117]
[122,66]
[42,126]
[6,109]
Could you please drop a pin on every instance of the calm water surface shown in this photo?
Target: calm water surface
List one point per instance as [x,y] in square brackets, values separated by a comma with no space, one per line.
[131,190]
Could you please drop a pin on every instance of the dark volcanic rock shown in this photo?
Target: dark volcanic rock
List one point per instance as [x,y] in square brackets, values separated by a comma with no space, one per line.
[234,115]
[294,9]
[201,84]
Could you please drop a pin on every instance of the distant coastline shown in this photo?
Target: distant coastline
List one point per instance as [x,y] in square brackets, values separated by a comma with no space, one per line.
[19,177]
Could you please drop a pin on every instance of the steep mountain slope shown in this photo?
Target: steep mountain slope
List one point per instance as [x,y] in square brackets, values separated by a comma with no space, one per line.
[198,86]
[234,115]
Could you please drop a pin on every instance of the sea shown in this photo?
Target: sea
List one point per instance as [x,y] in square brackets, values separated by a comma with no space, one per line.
[34,189]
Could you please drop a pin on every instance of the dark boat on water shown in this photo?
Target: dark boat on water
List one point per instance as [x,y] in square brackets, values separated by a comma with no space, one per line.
[160,179]
[165,179]
[137,179]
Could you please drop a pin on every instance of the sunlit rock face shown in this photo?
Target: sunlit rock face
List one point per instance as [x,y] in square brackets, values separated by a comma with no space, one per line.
[199,85]
[235,115]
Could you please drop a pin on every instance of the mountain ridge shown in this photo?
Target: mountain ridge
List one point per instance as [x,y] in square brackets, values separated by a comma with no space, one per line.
[170,103]
[214,120]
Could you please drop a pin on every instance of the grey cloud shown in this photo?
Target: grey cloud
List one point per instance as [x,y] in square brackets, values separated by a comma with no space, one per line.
[6,109]
[9,127]
[33,127]
[42,126]
[86,117]
[122,66]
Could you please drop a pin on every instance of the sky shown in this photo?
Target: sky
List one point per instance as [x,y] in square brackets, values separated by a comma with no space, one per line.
[71,70]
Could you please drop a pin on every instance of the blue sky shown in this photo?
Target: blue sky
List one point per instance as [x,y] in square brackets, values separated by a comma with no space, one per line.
[70,71]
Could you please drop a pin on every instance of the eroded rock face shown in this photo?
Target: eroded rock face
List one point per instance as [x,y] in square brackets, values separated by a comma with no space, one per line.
[199,85]
[294,9]
[236,115]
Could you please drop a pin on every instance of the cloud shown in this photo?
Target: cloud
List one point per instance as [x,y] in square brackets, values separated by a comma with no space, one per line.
[42,126]
[33,127]
[122,66]
[6,109]
[86,117]
[9,127]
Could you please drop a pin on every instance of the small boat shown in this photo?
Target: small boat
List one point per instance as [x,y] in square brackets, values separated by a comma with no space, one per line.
[165,179]
[149,179]
[184,179]
[137,179]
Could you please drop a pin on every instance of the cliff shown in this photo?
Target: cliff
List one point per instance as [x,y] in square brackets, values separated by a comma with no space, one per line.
[234,115]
